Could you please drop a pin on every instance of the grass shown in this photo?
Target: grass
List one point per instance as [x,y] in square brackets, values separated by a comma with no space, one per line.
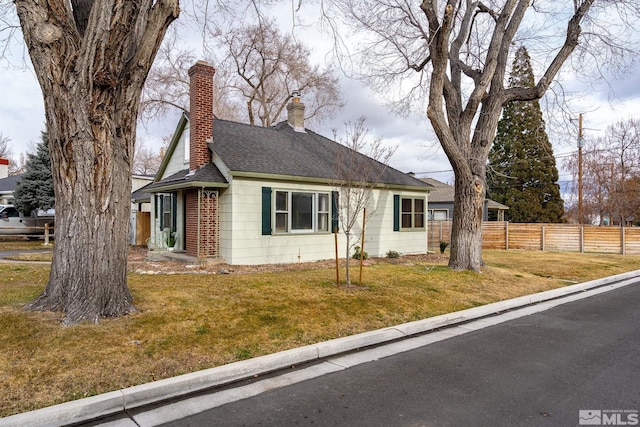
[188,323]
[41,257]
[11,243]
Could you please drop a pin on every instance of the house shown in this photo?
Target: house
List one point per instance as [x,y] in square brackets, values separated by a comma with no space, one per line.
[441,203]
[7,183]
[253,195]
[139,232]
[140,220]
[4,167]
[7,187]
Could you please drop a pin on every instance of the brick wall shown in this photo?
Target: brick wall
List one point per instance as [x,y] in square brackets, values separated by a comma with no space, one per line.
[200,113]
[209,224]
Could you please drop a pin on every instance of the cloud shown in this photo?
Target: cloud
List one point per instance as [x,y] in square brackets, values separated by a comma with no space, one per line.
[22,112]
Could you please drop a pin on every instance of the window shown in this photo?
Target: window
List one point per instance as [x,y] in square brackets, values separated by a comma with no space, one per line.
[412,213]
[166,211]
[12,212]
[301,212]
[187,145]
[323,212]
[418,213]
[282,212]
[438,214]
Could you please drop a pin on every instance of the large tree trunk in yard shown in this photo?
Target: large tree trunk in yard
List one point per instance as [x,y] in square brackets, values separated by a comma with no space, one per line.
[466,230]
[91,64]
[93,191]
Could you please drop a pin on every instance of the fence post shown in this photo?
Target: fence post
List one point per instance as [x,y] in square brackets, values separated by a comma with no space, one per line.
[623,242]
[542,242]
[46,234]
[581,238]
[506,235]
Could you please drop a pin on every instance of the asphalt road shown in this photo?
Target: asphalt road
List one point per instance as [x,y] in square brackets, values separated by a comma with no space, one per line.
[538,370]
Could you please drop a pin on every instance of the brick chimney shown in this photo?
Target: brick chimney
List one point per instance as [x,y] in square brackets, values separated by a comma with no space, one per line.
[200,114]
[295,110]
[4,168]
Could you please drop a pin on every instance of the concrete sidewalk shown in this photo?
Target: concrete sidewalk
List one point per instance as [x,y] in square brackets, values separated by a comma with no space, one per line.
[137,397]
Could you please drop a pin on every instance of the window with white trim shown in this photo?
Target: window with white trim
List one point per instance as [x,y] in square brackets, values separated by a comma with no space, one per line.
[324,207]
[438,214]
[301,212]
[187,145]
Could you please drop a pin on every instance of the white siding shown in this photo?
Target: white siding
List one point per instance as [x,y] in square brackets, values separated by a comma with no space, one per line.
[379,235]
[178,161]
[242,241]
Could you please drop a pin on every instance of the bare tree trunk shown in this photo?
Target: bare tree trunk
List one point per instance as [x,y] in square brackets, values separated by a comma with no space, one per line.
[93,191]
[346,258]
[466,230]
[91,64]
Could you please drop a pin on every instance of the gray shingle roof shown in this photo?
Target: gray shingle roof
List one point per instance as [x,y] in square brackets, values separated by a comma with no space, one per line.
[141,195]
[9,183]
[445,193]
[280,150]
[208,173]
[442,192]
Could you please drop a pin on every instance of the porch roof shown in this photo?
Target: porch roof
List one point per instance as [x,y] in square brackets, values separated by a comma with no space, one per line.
[207,176]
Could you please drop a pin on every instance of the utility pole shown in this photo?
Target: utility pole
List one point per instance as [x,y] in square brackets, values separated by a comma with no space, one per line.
[580,169]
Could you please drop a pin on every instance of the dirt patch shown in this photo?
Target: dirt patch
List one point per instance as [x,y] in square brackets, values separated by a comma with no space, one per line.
[138,263]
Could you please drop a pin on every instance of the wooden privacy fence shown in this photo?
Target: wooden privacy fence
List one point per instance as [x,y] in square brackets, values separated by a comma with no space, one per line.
[547,237]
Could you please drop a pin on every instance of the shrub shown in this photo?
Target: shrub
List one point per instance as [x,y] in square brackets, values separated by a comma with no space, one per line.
[356,253]
[393,254]
[443,246]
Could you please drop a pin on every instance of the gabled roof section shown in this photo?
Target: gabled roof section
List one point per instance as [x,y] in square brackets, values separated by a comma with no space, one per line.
[182,124]
[281,151]
[207,176]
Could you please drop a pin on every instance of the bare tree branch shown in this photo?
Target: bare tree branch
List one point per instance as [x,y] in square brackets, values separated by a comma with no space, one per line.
[469,45]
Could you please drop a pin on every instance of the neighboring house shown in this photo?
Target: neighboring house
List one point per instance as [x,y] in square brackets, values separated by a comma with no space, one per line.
[253,195]
[7,187]
[140,199]
[441,203]
[4,168]
[6,184]
[139,203]
[140,222]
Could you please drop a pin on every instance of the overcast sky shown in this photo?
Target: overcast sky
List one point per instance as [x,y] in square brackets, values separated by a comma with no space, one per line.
[22,112]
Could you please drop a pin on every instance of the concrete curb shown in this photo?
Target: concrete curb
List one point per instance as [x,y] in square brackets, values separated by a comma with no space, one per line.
[115,402]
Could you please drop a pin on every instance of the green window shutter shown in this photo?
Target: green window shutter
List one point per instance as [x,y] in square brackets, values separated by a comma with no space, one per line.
[266,211]
[334,211]
[156,200]
[174,211]
[396,212]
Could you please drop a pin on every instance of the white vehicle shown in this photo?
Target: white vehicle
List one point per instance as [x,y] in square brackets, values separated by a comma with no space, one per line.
[13,221]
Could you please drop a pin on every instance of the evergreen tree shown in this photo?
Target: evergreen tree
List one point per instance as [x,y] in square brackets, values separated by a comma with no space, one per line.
[35,188]
[522,172]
